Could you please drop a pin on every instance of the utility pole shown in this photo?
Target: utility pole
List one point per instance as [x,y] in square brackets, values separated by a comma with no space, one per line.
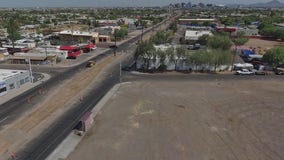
[31,73]
[120,72]
[114,49]
[142,31]
[45,51]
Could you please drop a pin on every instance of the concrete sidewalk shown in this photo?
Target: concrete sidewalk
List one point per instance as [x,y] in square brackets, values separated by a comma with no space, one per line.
[72,140]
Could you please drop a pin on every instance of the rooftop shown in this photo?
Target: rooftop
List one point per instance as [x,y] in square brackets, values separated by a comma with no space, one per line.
[198,19]
[6,73]
[196,34]
[78,33]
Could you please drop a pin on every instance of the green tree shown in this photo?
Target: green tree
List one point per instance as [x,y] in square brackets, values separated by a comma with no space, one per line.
[227,21]
[144,50]
[219,57]
[203,39]
[13,31]
[161,37]
[198,58]
[121,33]
[239,40]
[219,42]
[162,56]
[274,56]
[171,54]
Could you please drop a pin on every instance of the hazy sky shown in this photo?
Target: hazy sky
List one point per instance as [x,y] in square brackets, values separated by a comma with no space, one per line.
[110,3]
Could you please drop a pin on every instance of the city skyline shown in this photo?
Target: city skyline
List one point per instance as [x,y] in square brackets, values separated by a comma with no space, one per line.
[111,3]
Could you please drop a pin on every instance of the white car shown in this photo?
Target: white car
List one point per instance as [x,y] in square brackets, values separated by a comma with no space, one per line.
[244,72]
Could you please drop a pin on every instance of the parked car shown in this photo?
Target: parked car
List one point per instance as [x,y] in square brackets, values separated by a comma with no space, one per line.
[244,72]
[113,46]
[260,72]
[126,68]
[279,70]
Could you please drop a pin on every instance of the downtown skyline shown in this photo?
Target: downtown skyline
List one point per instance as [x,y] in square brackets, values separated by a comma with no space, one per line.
[111,3]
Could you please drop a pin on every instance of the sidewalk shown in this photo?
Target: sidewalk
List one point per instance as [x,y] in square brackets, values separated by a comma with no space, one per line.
[15,92]
[72,140]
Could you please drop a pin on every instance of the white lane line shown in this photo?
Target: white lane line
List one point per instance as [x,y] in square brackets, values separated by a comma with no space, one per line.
[4,119]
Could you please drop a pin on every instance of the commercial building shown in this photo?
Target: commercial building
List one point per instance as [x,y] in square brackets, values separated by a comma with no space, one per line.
[78,36]
[194,35]
[35,58]
[12,79]
[196,20]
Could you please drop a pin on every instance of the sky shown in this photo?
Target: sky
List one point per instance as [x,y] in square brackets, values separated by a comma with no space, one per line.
[112,3]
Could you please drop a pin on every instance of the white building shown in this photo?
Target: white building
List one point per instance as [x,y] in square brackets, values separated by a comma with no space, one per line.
[52,50]
[12,79]
[3,54]
[194,35]
[173,62]
[29,43]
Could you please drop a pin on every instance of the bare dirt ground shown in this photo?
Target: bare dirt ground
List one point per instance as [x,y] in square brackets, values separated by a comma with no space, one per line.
[189,120]
[262,45]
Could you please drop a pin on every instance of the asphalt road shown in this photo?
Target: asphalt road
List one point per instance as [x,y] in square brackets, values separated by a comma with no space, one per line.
[43,145]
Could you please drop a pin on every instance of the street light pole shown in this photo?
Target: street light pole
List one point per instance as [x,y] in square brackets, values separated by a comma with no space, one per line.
[142,31]
[31,73]
[114,50]
[45,51]
[120,72]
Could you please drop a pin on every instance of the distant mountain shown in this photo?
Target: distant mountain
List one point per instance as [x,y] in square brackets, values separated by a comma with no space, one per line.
[271,4]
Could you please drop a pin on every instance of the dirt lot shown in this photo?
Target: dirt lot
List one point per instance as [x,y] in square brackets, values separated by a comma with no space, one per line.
[186,119]
[262,45]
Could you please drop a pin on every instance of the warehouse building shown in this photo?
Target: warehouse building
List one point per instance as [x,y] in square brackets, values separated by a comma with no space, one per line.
[12,79]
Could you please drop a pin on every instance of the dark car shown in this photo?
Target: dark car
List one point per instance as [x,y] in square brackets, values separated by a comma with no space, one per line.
[279,70]
[71,57]
[113,46]
[91,63]
[126,68]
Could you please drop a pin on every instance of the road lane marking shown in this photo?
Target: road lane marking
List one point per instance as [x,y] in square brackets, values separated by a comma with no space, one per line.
[4,119]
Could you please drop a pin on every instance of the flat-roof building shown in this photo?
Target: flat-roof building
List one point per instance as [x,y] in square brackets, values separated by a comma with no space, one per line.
[78,36]
[12,79]
[194,35]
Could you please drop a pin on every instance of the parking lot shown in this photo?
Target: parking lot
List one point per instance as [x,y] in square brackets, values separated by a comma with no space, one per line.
[179,117]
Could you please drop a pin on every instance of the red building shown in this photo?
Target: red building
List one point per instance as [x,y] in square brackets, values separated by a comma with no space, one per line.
[227,29]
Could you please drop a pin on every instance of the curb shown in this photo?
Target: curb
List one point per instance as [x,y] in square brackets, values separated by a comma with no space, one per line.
[22,89]
[68,145]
